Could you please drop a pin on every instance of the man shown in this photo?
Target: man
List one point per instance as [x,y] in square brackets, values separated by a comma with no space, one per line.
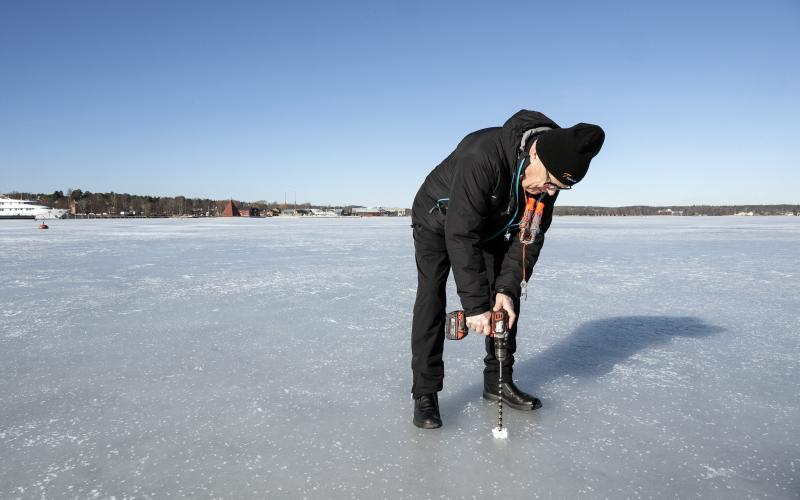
[465,216]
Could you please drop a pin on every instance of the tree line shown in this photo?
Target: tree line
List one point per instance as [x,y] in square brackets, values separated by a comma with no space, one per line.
[87,202]
[112,203]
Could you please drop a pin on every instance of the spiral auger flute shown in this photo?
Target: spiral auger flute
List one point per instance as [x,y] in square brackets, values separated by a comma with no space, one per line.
[500,334]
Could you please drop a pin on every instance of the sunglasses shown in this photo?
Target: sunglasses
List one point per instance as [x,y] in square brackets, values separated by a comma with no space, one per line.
[550,186]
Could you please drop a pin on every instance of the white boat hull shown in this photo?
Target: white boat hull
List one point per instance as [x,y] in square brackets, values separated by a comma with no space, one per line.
[27,209]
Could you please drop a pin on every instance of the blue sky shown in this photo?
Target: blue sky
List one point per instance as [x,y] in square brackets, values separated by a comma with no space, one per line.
[351,102]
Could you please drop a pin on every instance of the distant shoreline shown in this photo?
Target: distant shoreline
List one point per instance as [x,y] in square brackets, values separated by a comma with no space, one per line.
[682,210]
[84,204]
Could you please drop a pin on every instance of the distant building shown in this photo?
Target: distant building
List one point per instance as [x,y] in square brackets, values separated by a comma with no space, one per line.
[318,212]
[250,212]
[397,212]
[368,211]
[230,210]
[380,211]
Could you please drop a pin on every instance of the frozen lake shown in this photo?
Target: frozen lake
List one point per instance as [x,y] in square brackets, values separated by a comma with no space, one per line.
[270,358]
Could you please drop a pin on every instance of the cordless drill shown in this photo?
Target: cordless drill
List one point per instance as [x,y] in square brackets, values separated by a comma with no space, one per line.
[456,329]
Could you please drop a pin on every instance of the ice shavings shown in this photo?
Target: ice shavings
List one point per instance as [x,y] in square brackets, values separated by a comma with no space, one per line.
[500,433]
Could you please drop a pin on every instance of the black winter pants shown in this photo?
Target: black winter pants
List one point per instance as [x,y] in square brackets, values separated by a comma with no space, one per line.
[427,331]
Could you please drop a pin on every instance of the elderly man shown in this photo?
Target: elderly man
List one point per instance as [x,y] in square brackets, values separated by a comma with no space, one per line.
[466,216]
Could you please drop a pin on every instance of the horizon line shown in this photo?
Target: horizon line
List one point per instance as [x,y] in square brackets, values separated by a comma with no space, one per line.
[265,201]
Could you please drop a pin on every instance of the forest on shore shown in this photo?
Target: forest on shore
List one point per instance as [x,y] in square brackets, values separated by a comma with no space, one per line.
[86,202]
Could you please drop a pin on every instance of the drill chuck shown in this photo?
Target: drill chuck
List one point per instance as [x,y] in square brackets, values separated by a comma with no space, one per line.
[500,349]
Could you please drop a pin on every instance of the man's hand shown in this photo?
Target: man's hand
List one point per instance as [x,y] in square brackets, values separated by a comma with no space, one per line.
[480,323]
[503,301]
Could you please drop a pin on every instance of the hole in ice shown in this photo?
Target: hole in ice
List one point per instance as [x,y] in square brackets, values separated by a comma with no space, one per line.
[499,433]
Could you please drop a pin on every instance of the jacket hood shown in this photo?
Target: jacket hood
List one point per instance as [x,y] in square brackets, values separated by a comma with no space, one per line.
[515,127]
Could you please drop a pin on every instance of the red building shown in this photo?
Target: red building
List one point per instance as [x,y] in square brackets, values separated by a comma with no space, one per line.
[231,210]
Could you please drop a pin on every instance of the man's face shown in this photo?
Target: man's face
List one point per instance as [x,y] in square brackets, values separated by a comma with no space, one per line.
[535,177]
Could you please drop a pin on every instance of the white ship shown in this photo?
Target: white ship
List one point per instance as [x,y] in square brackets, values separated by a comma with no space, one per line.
[27,209]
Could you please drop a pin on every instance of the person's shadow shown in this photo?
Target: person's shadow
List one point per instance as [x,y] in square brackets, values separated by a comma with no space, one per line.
[593,349]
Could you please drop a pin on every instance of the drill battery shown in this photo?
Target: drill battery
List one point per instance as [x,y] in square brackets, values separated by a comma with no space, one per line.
[455,328]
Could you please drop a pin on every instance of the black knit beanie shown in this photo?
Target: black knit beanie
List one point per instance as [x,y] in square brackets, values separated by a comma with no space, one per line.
[566,152]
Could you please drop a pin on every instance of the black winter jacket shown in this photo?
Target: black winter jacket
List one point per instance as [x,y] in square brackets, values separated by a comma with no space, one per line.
[477,180]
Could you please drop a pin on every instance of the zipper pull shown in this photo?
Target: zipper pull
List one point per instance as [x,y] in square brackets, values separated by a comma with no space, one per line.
[523,290]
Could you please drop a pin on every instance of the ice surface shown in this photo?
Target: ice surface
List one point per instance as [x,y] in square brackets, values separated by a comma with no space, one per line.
[269,358]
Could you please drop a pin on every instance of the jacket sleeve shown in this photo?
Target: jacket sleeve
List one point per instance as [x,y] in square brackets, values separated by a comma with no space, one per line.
[467,210]
[508,282]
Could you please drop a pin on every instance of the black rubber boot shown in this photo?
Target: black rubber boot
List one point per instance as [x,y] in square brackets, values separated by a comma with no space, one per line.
[426,412]
[512,396]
